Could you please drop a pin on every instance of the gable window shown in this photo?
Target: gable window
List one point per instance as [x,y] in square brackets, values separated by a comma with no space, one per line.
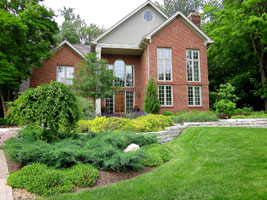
[124,73]
[193,65]
[164,56]
[165,95]
[194,95]
[148,16]
[65,74]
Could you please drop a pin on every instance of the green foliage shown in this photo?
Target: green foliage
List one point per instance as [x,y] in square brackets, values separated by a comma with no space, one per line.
[39,179]
[93,79]
[27,32]
[251,115]
[49,107]
[195,116]
[157,155]
[104,151]
[151,101]
[87,108]
[225,107]
[167,113]
[141,124]
[75,30]
[82,175]
[244,110]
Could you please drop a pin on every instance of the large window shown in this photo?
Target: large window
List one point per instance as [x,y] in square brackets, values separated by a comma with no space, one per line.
[110,104]
[65,74]
[164,56]
[129,101]
[165,95]
[193,65]
[124,73]
[194,95]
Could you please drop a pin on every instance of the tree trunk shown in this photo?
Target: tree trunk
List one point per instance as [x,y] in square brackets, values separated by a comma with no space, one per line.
[3,103]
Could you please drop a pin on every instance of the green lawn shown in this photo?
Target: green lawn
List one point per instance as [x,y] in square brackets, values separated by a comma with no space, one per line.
[208,163]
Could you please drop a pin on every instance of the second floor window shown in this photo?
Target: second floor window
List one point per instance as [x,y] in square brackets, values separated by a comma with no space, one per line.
[193,65]
[123,73]
[65,74]
[164,56]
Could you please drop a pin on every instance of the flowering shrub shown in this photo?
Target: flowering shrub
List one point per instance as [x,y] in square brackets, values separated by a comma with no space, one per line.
[141,124]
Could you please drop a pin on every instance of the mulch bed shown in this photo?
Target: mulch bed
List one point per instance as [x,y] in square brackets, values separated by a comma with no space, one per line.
[105,178]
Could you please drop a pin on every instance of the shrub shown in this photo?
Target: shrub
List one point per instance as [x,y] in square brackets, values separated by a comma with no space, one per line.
[225,107]
[152,104]
[167,113]
[39,179]
[87,108]
[82,175]
[195,116]
[152,160]
[3,121]
[47,107]
[104,151]
[245,110]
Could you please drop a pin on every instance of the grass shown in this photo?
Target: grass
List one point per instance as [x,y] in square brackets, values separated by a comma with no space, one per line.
[252,115]
[195,116]
[209,163]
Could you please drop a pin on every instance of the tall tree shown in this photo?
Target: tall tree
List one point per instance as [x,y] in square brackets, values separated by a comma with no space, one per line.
[170,7]
[239,52]
[26,34]
[75,29]
[152,104]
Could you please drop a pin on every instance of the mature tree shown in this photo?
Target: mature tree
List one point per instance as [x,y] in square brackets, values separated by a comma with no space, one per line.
[152,104]
[170,7]
[75,29]
[240,34]
[26,34]
[93,79]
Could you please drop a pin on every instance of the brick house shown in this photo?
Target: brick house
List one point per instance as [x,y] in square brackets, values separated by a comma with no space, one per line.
[145,43]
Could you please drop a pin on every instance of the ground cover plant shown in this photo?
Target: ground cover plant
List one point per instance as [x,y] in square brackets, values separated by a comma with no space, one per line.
[104,151]
[250,115]
[42,180]
[141,124]
[208,163]
[195,116]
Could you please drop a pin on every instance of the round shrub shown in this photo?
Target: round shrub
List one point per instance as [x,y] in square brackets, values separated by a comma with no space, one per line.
[160,149]
[82,175]
[50,106]
[168,113]
[152,160]
[226,107]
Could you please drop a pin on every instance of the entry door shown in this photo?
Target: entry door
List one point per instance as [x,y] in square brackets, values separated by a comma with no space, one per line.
[120,102]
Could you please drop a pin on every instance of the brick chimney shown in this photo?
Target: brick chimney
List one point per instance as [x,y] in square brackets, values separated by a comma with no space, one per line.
[195,18]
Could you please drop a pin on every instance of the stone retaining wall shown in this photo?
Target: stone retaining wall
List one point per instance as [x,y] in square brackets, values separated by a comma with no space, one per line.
[169,133]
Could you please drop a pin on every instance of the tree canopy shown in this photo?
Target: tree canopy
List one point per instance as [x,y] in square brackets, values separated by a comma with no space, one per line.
[27,32]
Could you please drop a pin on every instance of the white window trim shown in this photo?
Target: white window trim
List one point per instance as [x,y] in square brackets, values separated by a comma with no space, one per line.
[65,74]
[125,99]
[192,60]
[164,74]
[165,99]
[200,94]
[125,73]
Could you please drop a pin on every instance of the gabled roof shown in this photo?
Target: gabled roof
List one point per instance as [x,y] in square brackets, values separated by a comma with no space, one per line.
[81,50]
[127,17]
[186,20]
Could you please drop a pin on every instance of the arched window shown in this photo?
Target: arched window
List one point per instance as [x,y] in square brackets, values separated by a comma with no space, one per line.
[119,72]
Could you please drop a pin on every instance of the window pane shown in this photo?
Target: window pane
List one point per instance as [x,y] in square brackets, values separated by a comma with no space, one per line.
[161,95]
[190,96]
[189,71]
[196,71]
[160,52]
[109,104]
[160,70]
[129,75]
[110,67]
[119,72]
[195,55]
[197,96]
[65,74]
[168,95]
[188,54]
[60,74]
[167,53]
[168,70]
[129,101]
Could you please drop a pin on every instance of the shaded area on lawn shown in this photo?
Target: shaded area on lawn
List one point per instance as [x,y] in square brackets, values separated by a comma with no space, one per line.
[209,163]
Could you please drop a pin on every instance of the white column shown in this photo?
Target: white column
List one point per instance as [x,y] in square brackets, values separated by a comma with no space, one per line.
[98,101]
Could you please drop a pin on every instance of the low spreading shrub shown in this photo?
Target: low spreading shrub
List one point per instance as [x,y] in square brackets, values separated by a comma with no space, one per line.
[104,151]
[82,175]
[195,116]
[168,113]
[245,110]
[141,124]
[157,155]
[39,179]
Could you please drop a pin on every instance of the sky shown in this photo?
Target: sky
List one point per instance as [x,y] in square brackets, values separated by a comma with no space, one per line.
[100,12]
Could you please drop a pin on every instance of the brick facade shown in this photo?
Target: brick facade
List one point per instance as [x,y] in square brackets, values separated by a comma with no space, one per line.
[63,57]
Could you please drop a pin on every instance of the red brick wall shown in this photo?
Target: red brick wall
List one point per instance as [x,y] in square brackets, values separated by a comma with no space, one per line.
[64,57]
[179,37]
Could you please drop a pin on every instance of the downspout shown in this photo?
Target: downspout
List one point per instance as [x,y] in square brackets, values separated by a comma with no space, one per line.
[148,68]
